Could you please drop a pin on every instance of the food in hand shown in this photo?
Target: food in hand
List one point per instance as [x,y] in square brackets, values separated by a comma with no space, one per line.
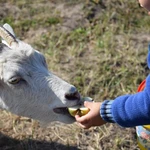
[80,109]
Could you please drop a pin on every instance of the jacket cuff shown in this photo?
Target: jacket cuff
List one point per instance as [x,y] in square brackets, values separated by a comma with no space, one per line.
[106,111]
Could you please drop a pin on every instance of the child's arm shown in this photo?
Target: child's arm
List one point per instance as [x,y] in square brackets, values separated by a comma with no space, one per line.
[132,110]
[126,110]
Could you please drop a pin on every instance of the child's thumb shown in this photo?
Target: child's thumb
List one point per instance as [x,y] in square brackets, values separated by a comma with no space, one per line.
[88,104]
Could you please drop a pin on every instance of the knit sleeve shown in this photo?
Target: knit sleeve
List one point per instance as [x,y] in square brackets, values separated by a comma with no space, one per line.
[130,110]
[106,111]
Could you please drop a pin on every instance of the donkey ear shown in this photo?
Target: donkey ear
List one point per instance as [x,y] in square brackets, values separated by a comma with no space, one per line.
[8,36]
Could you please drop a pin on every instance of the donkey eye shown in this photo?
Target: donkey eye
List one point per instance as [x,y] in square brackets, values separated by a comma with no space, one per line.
[15,80]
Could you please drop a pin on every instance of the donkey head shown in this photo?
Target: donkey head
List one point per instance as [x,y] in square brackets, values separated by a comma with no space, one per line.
[27,87]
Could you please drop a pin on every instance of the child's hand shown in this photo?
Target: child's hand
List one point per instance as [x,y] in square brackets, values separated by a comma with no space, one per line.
[93,117]
[145,4]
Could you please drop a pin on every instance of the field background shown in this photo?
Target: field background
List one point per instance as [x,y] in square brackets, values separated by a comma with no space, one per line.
[99,46]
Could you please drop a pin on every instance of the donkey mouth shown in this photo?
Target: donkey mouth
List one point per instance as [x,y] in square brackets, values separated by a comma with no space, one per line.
[62,110]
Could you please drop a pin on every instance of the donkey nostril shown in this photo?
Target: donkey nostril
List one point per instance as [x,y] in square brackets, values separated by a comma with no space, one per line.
[72,96]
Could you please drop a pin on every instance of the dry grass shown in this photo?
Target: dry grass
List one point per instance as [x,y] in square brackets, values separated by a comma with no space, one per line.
[99,47]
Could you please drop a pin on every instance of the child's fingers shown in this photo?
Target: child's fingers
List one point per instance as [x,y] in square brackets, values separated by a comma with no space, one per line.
[85,126]
[82,120]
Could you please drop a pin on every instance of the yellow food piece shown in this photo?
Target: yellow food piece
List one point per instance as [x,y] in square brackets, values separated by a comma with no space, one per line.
[80,109]
[84,111]
[73,111]
[147,127]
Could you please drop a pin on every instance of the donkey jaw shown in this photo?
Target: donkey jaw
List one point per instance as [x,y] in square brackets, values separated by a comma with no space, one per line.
[64,110]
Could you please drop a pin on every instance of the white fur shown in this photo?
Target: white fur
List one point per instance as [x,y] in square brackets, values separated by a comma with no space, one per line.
[39,91]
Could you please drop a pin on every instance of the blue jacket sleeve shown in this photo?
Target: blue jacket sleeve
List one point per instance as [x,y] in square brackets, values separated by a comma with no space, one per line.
[129,110]
[133,110]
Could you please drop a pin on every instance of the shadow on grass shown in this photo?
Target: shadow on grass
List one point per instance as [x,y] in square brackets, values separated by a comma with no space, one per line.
[7,143]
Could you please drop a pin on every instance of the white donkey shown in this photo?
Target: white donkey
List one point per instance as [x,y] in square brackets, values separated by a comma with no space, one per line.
[27,87]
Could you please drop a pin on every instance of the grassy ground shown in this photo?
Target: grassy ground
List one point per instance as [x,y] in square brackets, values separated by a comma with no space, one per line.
[100,47]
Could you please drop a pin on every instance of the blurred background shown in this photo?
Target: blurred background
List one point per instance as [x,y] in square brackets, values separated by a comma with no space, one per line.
[99,46]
